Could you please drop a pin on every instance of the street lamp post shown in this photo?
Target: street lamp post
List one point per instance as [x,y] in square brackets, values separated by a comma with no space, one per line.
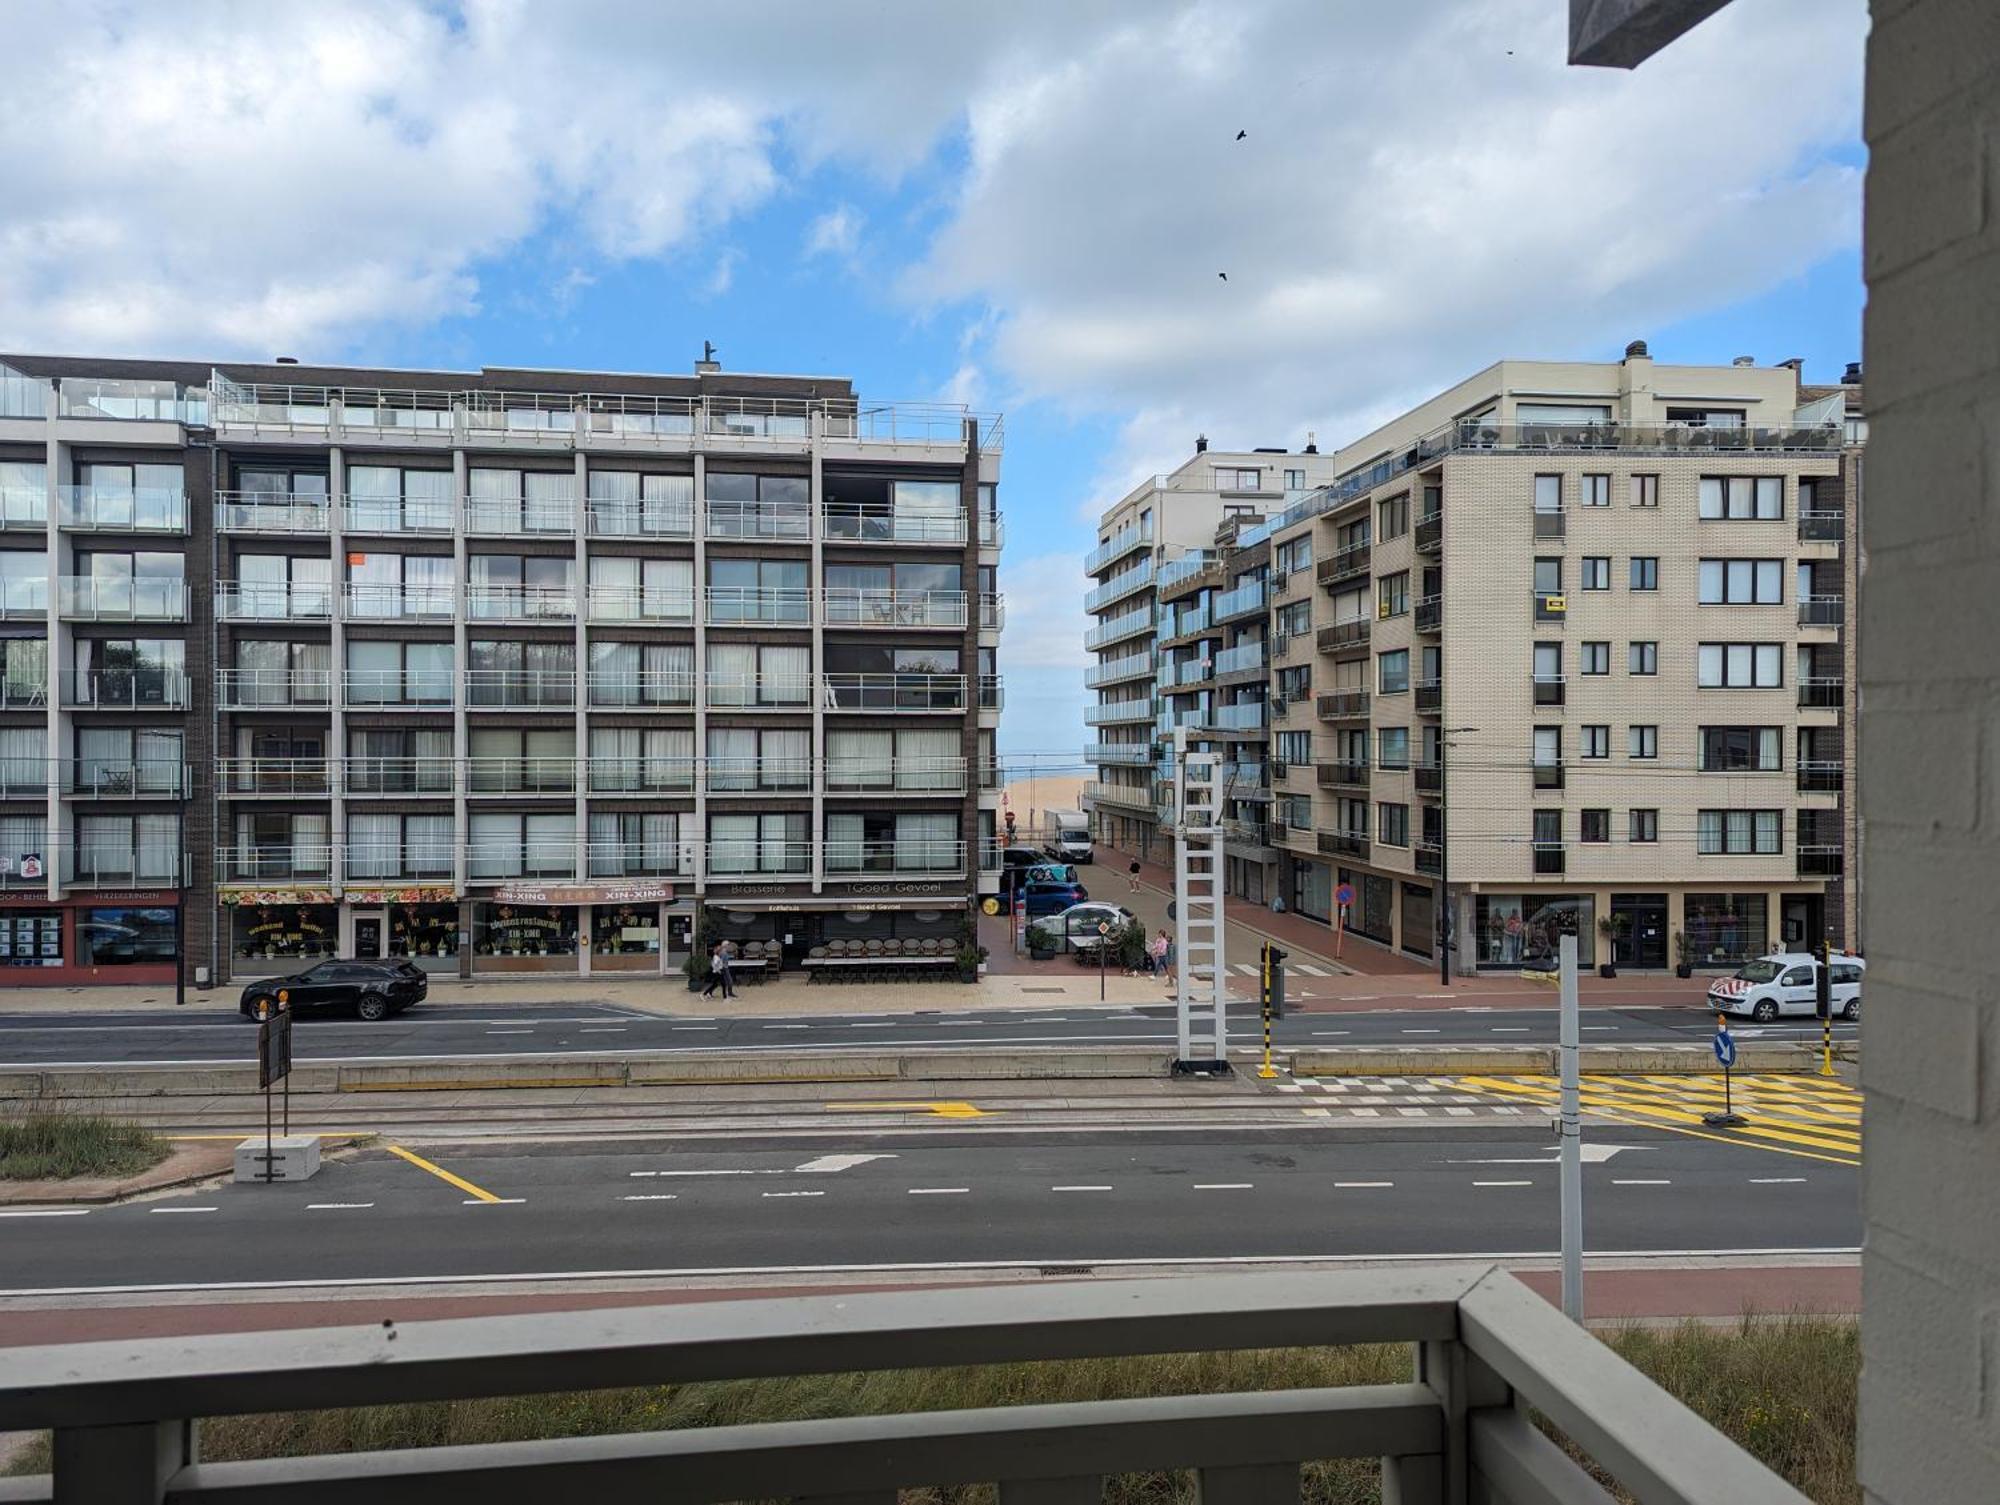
[1445,928]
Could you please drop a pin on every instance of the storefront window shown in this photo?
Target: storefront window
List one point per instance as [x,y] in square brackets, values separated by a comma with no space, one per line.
[30,938]
[1419,920]
[126,937]
[1312,890]
[1724,929]
[1519,930]
[423,930]
[1369,914]
[524,930]
[284,932]
[625,930]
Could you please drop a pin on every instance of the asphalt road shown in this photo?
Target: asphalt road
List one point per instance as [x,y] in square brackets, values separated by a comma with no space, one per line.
[434,1032]
[769,1206]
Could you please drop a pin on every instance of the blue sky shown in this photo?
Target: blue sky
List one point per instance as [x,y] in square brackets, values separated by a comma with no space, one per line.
[1023,207]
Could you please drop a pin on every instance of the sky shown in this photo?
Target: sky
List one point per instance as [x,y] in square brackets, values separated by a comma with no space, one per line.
[1022,207]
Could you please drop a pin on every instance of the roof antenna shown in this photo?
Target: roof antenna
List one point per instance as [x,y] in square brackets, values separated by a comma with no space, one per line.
[708,361]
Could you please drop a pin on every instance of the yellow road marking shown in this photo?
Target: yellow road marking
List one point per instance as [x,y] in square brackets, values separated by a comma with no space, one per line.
[1776,1149]
[441,1173]
[940,1110]
[1636,1109]
[1789,1110]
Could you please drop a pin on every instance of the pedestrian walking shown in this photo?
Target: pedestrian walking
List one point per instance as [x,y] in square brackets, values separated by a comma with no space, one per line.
[1156,953]
[1132,876]
[1170,961]
[728,952]
[718,976]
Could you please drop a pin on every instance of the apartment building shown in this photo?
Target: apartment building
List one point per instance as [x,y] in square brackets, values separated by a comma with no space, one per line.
[1168,653]
[503,671]
[1581,652]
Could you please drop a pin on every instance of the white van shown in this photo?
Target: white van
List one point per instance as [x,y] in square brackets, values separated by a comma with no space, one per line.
[1784,983]
[1069,835]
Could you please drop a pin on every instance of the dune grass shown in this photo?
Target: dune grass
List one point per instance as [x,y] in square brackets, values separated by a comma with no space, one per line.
[43,1146]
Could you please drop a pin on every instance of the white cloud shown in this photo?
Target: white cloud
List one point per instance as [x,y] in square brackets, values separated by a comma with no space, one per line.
[723,276]
[835,233]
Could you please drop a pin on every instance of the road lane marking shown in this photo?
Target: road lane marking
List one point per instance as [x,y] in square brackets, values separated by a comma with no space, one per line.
[794,1194]
[821,1165]
[479,1193]
[603,1029]
[1357,1185]
[494,1201]
[1510,1029]
[890,1025]
[684,1029]
[1777,1180]
[1503,1183]
[653,1196]
[43,1212]
[788,1026]
[939,1191]
[510,1032]
[336,1206]
[936,1110]
[1224,1186]
[183,1209]
[1079,1188]
[1615,1181]
[1422,1032]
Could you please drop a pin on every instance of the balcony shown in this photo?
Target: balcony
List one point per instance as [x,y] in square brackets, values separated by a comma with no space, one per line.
[620,419]
[853,522]
[992,611]
[1123,713]
[273,512]
[130,509]
[278,601]
[397,861]
[508,861]
[1117,547]
[749,605]
[409,690]
[540,517]
[1127,796]
[1244,658]
[272,689]
[1429,534]
[520,603]
[141,689]
[1113,671]
[1119,586]
[1822,611]
[1819,861]
[638,859]
[757,692]
[1186,567]
[1550,689]
[901,859]
[89,598]
[661,605]
[912,776]
[1430,613]
[1344,844]
[1430,697]
[1246,781]
[1347,774]
[645,691]
[1549,857]
[758,520]
[1551,606]
[1820,777]
[538,418]
[1550,524]
[25,598]
[398,516]
[107,864]
[1244,600]
[1822,527]
[892,692]
[1128,754]
[136,401]
[648,776]
[644,518]
[1343,705]
[1350,563]
[1429,777]
[1822,693]
[520,689]
[1103,635]
[293,862]
[25,508]
[1430,858]
[782,418]
[1244,716]
[992,530]
[887,608]
[127,779]
[1548,775]
[397,603]
[288,778]
[397,777]
[1349,637]
[524,775]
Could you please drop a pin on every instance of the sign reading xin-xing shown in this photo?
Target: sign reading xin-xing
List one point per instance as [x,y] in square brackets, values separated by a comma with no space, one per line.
[585,893]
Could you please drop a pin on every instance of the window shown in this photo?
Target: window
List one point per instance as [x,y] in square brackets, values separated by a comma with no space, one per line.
[1645,491]
[24,669]
[1295,683]
[1295,619]
[1548,757]
[1393,746]
[516,501]
[758,674]
[139,672]
[1594,826]
[388,586]
[1596,572]
[625,588]
[511,672]
[1392,594]
[395,760]
[1595,658]
[1740,749]
[1642,825]
[1740,497]
[381,673]
[506,844]
[1642,741]
[1295,553]
[1642,658]
[1569,414]
[759,843]
[1351,816]
[634,760]
[510,759]
[1645,572]
[1548,827]
[1737,832]
[1231,479]
[633,844]
[754,506]
[1392,825]
[776,590]
[1595,742]
[1392,517]
[1742,582]
[399,846]
[1548,493]
[1739,666]
[388,499]
[1295,480]
[1549,576]
[1295,811]
[1707,418]
[1294,747]
[109,760]
[1596,491]
[750,758]
[127,848]
[648,674]
[1433,502]
[631,503]
[1393,671]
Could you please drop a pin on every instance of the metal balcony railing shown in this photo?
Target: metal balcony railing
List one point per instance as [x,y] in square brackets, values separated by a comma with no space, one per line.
[142,689]
[867,859]
[521,517]
[1344,844]
[499,861]
[129,779]
[1549,523]
[1821,692]
[854,775]
[667,605]
[1430,613]
[393,514]
[639,859]
[1819,861]
[131,401]
[1429,777]
[748,605]
[520,689]
[644,518]
[113,864]
[758,691]
[523,775]
[992,530]
[293,862]
[753,775]
[1550,688]
[1429,856]
[1430,697]
[1551,606]
[90,598]
[1351,636]
[1548,775]
[361,777]
[1347,774]
[757,520]
[893,692]
[1132,754]
[761,417]
[273,689]
[641,691]
[273,512]
[636,417]
[992,611]
[1429,533]
[289,777]
[1131,796]
[841,607]
[1822,527]
[640,775]
[520,603]
[1549,856]
[408,689]
[1821,611]
[855,522]
[1820,776]
[129,509]
[1343,705]
[1344,564]
[277,601]
[383,861]
[429,601]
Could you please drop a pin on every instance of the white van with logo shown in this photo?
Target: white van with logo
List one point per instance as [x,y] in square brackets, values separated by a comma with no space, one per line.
[1785,983]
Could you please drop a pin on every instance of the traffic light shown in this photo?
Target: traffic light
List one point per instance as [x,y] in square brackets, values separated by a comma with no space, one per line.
[1274,973]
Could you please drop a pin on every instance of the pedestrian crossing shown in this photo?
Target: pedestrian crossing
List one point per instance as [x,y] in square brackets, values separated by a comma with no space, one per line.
[1389,1098]
[1816,1117]
[1255,969]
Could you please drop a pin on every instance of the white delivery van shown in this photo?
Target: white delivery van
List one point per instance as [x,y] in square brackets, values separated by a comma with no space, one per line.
[1069,834]
[1784,983]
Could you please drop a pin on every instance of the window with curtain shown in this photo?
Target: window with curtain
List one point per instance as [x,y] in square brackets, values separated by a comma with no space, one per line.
[634,844]
[860,759]
[631,758]
[24,667]
[928,760]
[784,758]
[926,842]
[758,843]
[732,757]
[24,761]
[373,843]
[22,836]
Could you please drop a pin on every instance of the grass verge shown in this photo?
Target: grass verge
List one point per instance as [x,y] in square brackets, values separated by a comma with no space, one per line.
[43,1146]
[1784,1389]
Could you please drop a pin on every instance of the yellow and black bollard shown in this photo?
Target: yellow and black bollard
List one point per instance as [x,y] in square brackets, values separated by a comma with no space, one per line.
[1267,1070]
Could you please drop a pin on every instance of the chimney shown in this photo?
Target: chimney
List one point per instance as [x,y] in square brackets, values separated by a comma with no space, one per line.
[1796,362]
[1201,444]
[708,365]
[1312,443]
[1744,360]
[1851,377]
[1636,351]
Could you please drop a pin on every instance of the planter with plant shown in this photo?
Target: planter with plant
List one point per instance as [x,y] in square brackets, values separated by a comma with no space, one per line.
[1609,966]
[970,955]
[1682,966]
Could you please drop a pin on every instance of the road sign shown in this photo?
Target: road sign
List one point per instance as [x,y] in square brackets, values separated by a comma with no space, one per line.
[1104,927]
[274,1049]
[1344,895]
[1725,1048]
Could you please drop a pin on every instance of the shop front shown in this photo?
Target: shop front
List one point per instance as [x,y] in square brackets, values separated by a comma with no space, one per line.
[1525,930]
[575,928]
[276,931]
[794,920]
[416,924]
[104,937]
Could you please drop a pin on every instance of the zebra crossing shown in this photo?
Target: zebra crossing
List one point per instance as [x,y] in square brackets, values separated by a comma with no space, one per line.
[1389,1098]
[1253,969]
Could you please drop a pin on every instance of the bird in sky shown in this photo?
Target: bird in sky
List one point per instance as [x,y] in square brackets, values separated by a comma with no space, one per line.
[1241,134]
[1223,275]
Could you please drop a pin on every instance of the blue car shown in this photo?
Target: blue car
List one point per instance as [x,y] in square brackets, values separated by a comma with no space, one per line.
[1052,898]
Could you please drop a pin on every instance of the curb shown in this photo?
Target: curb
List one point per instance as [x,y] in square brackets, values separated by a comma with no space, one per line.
[1522,1060]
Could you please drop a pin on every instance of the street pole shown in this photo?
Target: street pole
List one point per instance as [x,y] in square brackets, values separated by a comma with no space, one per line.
[1444,881]
[180,892]
[1571,1129]
[1266,1071]
[1823,996]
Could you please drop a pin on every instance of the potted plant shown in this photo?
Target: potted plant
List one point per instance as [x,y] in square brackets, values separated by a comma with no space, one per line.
[1682,967]
[970,955]
[1607,928]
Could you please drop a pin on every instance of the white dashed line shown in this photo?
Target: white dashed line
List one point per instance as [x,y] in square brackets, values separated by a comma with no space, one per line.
[603,1029]
[788,1026]
[510,1032]
[653,1196]
[939,1191]
[1420,1032]
[336,1206]
[1503,1183]
[43,1212]
[1777,1180]
[1617,1182]
[1328,1034]
[495,1202]
[794,1194]
[1223,1186]
[1510,1029]
[1079,1188]
[183,1209]
[1360,1185]
[695,1028]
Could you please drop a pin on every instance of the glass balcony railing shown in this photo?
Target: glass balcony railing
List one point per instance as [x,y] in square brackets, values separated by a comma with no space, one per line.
[520,603]
[1242,601]
[238,601]
[272,512]
[130,509]
[892,608]
[667,605]
[518,518]
[1128,625]
[758,520]
[25,507]
[852,522]
[730,604]
[639,519]
[1117,547]
[91,598]
[423,515]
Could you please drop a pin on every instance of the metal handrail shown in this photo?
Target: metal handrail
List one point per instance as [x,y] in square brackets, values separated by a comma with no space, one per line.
[752,605]
[850,607]
[266,512]
[126,509]
[641,518]
[139,598]
[273,601]
[669,604]
[520,603]
[861,523]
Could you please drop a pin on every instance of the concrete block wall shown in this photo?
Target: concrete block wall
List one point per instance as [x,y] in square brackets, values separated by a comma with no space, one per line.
[1930,756]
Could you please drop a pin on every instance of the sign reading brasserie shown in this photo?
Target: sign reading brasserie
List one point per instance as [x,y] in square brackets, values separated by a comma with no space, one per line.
[584,893]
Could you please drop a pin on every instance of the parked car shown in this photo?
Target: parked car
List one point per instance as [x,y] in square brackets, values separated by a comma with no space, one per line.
[1785,982]
[1012,878]
[372,989]
[1044,898]
[1075,928]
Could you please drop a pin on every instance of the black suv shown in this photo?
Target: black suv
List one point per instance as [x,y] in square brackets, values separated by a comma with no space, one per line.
[373,989]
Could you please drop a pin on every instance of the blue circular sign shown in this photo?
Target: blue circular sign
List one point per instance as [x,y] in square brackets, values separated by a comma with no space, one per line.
[1725,1047]
[1344,894]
